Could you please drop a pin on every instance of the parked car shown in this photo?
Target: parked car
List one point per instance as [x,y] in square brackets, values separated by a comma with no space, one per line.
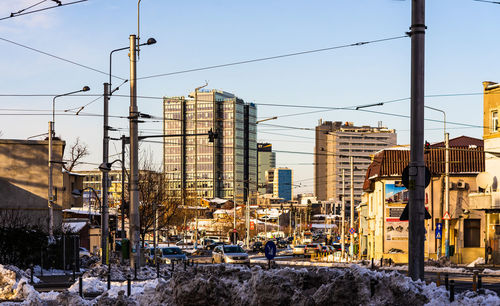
[337,247]
[184,245]
[230,254]
[84,253]
[298,250]
[167,255]
[257,246]
[281,243]
[213,245]
[312,249]
[327,249]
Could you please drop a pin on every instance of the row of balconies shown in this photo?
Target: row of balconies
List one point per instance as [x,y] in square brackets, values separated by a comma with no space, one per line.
[482,200]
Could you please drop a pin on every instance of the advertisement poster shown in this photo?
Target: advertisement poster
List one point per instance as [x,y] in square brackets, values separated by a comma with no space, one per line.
[396,198]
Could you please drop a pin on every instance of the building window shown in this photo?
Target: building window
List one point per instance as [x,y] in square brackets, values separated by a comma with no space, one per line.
[494,121]
[472,233]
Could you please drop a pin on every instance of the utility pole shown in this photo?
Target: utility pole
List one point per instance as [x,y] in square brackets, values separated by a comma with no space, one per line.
[104,189]
[351,244]
[50,195]
[123,195]
[343,213]
[447,195]
[417,165]
[134,221]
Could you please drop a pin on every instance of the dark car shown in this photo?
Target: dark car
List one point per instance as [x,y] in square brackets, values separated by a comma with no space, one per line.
[312,249]
[281,243]
[257,246]
[213,245]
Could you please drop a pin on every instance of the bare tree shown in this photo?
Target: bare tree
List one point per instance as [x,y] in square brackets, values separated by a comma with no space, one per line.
[77,152]
[157,204]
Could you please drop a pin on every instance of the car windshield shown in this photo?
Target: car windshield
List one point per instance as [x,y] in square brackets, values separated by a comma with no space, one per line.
[171,251]
[233,249]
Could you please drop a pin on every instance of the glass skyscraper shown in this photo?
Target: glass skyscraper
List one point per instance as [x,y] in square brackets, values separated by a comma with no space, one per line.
[225,168]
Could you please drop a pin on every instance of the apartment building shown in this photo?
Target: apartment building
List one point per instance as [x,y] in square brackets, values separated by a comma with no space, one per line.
[336,143]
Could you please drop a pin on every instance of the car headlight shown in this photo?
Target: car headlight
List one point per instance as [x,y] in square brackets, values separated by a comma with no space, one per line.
[167,261]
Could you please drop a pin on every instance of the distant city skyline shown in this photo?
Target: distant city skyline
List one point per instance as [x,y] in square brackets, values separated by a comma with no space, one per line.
[299,90]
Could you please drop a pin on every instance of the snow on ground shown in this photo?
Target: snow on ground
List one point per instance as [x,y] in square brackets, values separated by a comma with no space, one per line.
[478,261]
[240,285]
[14,285]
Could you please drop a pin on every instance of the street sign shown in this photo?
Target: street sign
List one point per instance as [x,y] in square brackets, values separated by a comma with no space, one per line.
[352,230]
[446,216]
[270,250]
[405,177]
[439,230]
[406,214]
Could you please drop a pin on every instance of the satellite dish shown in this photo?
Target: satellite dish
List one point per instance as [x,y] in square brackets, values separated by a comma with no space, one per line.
[484,180]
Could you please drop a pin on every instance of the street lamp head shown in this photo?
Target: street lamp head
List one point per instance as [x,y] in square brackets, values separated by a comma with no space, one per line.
[76,193]
[105,167]
[151,41]
[85,88]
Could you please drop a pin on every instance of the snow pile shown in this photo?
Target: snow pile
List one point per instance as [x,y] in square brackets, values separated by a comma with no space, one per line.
[14,285]
[478,261]
[239,285]
[491,272]
[120,272]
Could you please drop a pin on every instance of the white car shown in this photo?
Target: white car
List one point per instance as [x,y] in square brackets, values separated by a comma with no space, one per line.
[84,253]
[230,254]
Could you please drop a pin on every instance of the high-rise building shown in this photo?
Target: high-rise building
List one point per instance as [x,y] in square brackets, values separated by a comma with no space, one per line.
[336,142]
[281,180]
[225,168]
[266,159]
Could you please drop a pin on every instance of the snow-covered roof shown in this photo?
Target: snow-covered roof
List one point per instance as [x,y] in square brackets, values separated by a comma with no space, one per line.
[73,227]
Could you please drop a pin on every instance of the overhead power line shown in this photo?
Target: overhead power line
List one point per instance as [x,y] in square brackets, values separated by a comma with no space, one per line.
[272,57]
[23,11]
[58,57]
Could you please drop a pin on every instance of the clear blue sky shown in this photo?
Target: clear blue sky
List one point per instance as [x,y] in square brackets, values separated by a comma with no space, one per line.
[462,47]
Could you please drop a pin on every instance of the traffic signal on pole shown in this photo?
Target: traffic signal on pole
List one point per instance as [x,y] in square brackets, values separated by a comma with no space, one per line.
[427,147]
[211,136]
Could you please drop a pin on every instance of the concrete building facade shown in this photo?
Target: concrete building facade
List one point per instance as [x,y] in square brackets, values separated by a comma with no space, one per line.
[24,181]
[336,142]
[225,168]
[266,160]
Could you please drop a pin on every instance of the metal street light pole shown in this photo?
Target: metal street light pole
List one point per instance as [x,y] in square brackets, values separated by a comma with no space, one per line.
[343,213]
[446,187]
[108,91]
[134,222]
[351,244]
[50,183]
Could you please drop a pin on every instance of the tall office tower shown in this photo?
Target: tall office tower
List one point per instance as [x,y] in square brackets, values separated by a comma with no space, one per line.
[280,181]
[266,160]
[336,142]
[225,168]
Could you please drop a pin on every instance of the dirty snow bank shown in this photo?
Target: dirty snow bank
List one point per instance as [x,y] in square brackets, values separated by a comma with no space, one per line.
[14,285]
[240,285]
[478,261]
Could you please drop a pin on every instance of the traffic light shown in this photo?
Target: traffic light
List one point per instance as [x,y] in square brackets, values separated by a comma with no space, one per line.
[211,136]
[427,147]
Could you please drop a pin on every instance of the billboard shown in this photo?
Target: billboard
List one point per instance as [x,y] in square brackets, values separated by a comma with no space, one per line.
[396,198]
